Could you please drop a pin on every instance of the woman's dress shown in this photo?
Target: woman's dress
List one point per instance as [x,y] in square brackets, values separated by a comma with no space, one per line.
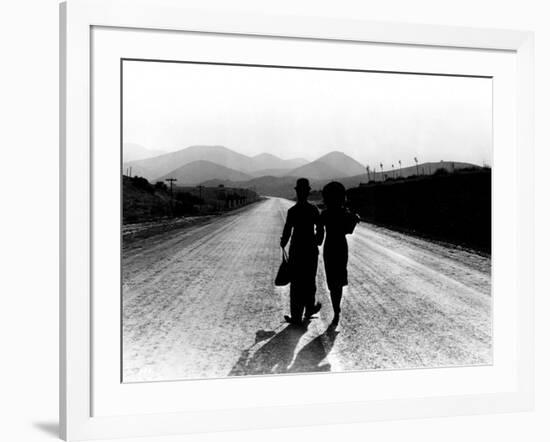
[337,224]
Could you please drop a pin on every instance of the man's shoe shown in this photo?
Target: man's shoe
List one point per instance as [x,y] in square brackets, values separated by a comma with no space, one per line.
[316,308]
[292,321]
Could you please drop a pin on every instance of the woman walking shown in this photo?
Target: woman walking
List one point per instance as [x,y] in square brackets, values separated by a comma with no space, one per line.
[338,222]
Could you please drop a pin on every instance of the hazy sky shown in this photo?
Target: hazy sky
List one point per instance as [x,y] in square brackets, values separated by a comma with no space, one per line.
[303,113]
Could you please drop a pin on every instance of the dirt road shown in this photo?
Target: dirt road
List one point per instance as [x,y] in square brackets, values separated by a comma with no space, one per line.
[200,302]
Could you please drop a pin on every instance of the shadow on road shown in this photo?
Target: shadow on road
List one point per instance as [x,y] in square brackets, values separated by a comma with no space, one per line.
[312,357]
[276,355]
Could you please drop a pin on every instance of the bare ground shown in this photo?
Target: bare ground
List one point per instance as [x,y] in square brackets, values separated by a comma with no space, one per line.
[200,302]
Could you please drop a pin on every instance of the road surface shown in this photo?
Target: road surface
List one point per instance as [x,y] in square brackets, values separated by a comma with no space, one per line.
[200,302]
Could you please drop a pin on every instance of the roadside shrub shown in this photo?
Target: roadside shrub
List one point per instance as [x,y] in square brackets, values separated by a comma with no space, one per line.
[142,183]
[161,186]
[454,207]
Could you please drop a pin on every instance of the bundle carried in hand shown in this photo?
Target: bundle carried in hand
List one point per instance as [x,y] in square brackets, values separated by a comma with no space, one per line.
[283,275]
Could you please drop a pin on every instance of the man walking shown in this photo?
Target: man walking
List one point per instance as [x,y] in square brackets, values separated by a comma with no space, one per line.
[303,222]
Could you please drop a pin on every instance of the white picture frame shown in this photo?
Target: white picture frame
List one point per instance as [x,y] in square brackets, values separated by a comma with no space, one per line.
[78,379]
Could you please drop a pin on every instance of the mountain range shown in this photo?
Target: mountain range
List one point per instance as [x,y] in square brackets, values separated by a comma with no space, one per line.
[161,165]
[267,173]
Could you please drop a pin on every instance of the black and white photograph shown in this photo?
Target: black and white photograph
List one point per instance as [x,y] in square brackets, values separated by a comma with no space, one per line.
[286,220]
[283,220]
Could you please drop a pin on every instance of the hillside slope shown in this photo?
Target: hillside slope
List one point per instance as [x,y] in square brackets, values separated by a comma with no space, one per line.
[159,166]
[331,165]
[197,172]
[153,168]
[269,161]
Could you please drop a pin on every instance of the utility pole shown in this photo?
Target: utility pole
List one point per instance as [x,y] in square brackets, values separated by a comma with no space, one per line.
[400,172]
[368,174]
[171,181]
[200,196]
[382,170]
[393,171]
[416,161]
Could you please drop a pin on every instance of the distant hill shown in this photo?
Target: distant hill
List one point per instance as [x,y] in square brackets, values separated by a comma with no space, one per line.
[154,168]
[157,167]
[270,172]
[331,165]
[134,152]
[423,169]
[199,171]
[269,161]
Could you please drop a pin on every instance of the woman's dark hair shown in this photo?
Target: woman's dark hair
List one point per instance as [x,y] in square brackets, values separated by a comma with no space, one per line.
[334,194]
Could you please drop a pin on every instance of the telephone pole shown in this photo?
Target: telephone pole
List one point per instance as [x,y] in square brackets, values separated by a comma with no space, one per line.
[200,197]
[171,181]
